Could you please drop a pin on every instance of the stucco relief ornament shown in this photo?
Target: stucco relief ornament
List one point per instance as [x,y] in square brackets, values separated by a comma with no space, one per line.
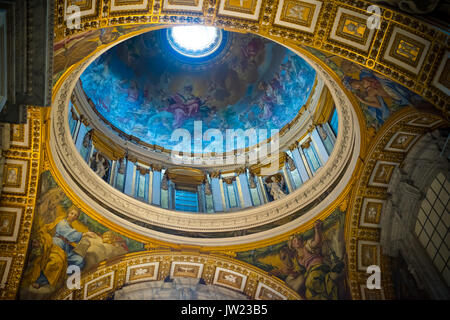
[322,132]
[275,188]
[122,166]
[291,163]
[165,182]
[208,190]
[100,164]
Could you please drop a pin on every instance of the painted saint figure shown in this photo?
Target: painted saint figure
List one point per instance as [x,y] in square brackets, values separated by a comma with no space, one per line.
[183,106]
[319,279]
[58,251]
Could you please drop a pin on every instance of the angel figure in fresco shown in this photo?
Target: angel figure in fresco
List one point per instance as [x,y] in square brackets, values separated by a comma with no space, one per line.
[382,95]
[252,53]
[275,188]
[318,278]
[251,49]
[132,91]
[184,106]
[267,101]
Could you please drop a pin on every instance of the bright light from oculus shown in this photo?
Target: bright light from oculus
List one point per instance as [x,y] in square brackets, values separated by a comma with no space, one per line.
[194,41]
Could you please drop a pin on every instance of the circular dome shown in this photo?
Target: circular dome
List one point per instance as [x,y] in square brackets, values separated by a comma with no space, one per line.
[128,84]
[194,41]
[153,94]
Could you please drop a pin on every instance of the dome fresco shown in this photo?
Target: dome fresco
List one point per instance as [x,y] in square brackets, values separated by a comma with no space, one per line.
[147,89]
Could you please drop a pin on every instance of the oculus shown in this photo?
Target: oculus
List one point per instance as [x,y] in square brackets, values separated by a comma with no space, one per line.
[194,41]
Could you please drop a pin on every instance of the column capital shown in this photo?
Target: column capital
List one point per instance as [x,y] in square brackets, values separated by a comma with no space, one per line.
[214,174]
[156,167]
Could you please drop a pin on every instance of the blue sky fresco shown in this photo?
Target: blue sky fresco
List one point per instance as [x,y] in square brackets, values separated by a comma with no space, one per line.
[144,90]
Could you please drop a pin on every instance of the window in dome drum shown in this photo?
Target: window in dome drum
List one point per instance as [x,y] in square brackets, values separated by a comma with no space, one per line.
[186,201]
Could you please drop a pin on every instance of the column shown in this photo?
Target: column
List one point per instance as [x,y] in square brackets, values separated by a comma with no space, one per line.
[130,177]
[329,132]
[164,189]
[320,147]
[244,190]
[156,185]
[298,159]
[328,142]
[201,198]
[77,130]
[253,187]
[112,174]
[80,137]
[287,178]
[262,190]
[209,202]
[216,191]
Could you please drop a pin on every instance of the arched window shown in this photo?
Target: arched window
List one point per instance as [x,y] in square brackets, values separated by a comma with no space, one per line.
[433,224]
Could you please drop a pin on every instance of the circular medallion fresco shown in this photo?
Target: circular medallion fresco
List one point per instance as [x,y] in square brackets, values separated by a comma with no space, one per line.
[148,89]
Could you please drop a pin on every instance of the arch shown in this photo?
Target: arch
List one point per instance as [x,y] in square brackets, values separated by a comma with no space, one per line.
[363,233]
[159,265]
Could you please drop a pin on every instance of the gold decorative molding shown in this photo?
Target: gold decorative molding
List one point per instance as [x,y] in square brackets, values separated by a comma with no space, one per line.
[106,146]
[186,176]
[17,204]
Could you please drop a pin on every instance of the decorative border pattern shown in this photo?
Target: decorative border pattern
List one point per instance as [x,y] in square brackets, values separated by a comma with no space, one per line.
[10,222]
[347,29]
[242,9]
[97,286]
[182,269]
[299,15]
[142,272]
[182,5]
[401,141]
[371,213]
[264,292]
[406,50]
[229,279]
[441,80]
[25,151]
[106,279]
